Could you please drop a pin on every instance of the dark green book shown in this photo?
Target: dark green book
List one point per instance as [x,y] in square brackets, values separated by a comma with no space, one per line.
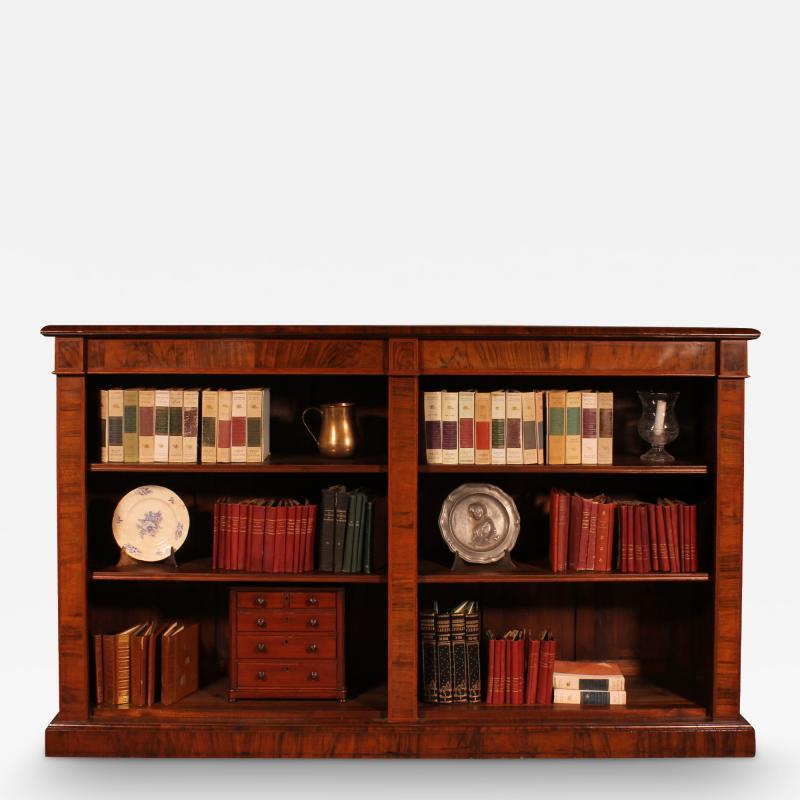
[349,538]
[366,563]
[358,546]
[340,527]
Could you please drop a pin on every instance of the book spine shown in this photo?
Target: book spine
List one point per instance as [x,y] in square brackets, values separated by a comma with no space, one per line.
[432,404]
[513,427]
[280,539]
[255,409]
[540,426]
[473,643]
[458,630]
[498,428]
[239,427]
[291,538]
[147,439]
[605,427]
[300,550]
[547,661]
[265,424]
[518,687]
[103,427]
[483,428]
[530,450]
[98,668]
[208,428]
[509,657]
[225,406]
[466,427]
[572,453]
[556,430]
[591,547]
[308,564]
[605,516]
[444,661]
[499,672]
[588,428]
[490,679]
[588,698]
[655,562]
[638,554]
[575,517]
[191,409]
[244,536]
[449,427]
[176,426]
[563,530]
[532,677]
[583,541]
[555,499]
[340,529]
[161,427]
[215,537]
[563,680]
[270,536]
[255,559]
[116,404]
[327,530]
[130,426]
[353,509]
[641,511]
[427,625]
[694,563]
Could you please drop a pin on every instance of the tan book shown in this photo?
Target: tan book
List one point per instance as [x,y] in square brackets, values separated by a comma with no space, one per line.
[161,427]
[191,418]
[449,427]
[104,426]
[498,433]
[209,404]
[540,436]
[513,427]
[530,451]
[588,698]
[176,426]
[588,675]
[572,452]
[256,422]
[466,427]
[432,418]
[483,428]
[588,427]
[147,439]
[130,426]
[116,452]
[605,427]
[239,427]
[225,400]
[556,426]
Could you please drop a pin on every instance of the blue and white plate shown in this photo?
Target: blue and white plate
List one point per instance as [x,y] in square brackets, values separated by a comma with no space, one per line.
[149,522]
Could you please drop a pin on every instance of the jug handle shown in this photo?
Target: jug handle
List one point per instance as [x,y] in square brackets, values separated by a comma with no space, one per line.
[303,418]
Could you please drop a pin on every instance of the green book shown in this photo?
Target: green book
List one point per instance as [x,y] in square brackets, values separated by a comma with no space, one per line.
[366,564]
[352,513]
[130,426]
[358,550]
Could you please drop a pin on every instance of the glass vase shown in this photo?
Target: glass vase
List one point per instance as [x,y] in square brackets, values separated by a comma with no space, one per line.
[658,425]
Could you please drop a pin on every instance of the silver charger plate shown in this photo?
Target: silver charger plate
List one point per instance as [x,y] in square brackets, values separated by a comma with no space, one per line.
[479,522]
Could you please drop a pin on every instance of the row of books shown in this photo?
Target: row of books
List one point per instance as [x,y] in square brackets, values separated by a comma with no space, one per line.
[161,426]
[646,537]
[149,662]
[511,427]
[352,531]
[264,534]
[589,683]
[451,657]
[520,668]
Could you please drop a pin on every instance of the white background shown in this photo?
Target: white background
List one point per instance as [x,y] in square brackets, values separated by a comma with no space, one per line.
[398,162]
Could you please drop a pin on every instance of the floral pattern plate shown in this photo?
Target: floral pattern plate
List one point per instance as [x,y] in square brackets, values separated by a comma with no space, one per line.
[149,522]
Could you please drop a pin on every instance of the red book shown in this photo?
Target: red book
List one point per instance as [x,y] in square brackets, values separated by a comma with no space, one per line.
[280,538]
[623,538]
[591,545]
[233,535]
[222,535]
[215,538]
[605,517]
[238,431]
[482,434]
[637,540]
[563,530]
[533,671]
[653,534]
[575,514]
[547,663]
[675,535]
[554,503]
[693,559]
[642,514]
[509,656]
[663,549]
[500,669]
[490,680]
[258,518]
[270,530]
[300,552]
[672,550]
[583,542]
[311,529]
[291,538]
[519,689]
[244,535]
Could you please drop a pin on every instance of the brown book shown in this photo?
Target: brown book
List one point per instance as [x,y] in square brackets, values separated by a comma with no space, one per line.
[532,676]
[547,660]
[583,540]
[605,527]
[641,511]
[655,564]
[591,544]
[179,657]
[98,667]
[139,663]
[573,547]
[661,535]
[638,555]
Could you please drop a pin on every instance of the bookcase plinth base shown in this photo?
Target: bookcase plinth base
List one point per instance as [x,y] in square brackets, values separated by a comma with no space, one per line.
[400,740]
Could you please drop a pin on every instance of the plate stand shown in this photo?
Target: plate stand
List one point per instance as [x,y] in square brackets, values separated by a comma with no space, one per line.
[505,564]
[129,561]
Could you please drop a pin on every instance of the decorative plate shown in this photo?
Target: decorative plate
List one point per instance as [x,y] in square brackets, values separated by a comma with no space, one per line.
[149,521]
[479,522]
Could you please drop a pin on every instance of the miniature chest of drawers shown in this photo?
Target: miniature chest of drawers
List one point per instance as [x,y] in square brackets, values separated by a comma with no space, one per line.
[287,643]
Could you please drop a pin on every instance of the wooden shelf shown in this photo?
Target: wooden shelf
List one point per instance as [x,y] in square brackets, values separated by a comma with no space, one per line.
[200,571]
[623,465]
[430,572]
[278,464]
[645,700]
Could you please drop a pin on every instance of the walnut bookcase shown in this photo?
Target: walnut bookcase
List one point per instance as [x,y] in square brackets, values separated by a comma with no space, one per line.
[677,635]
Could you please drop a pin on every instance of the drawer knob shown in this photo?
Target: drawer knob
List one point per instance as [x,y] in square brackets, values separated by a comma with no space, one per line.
[313,676]
[313,622]
[261,647]
[312,601]
[261,675]
[312,648]
[261,622]
[260,602]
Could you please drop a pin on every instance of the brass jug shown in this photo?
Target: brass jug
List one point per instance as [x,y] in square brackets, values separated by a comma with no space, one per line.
[337,433]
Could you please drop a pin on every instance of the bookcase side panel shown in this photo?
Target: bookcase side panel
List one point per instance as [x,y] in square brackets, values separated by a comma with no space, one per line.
[402,697]
[728,550]
[71,513]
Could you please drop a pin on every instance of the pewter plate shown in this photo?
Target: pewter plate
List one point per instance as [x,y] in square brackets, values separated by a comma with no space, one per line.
[479,522]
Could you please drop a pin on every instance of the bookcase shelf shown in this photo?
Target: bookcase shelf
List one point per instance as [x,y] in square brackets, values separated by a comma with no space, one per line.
[676,636]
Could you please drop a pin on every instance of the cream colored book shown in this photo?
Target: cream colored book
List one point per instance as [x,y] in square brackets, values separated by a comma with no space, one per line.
[432,413]
[556,419]
[255,425]
[191,426]
[540,436]
[605,427]
[605,676]
[466,427]
[176,426]
[498,428]
[104,426]
[449,427]
[513,427]
[573,422]
[588,427]
[161,427]
[224,427]
[530,452]
[116,404]
[239,427]
[209,406]
[483,428]
[147,438]
[576,697]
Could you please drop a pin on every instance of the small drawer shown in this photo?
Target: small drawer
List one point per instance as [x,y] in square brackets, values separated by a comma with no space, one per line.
[285,674]
[292,645]
[312,600]
[279,621]
[260,599]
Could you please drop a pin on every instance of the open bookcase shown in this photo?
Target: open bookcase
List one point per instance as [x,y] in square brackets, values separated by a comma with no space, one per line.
[676,635]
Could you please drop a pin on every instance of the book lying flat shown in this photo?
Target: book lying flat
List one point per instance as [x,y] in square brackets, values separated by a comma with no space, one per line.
[604,676]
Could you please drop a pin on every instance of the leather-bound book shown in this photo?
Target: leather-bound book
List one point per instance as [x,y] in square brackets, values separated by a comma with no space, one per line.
[243,534]
[358,534]
[353,508]
[655,564]
[518,688]
[427,629]
[311,537]
[556,426]
[239,427]
[224,410]
[483,428]
[513,427]
[583,538]
[432,405]
[673,510]
[291,536]
[575,516]
[532,676]
[366,561]
[591,544]
[605,527]
[209,405]
[641,511]
[449,427]
[147,441]
[130,426]
[444,660]
[491,667]
[547,658]
[103,426]
[258,527]
[694,559]
[500,673]
[340,530]
[466,427]
[458,638]
[117,667]
[140,640]
[179,662]
[326,530]
[588,676]
[473,639]
[175,440]
[161,427]
[280,536]
[254,453]
[530,450]
[299,555]
[270,535]
[563,530]
[191,425]
[588,427]
[661,535]
[116,404]
[540,433]
[97,639]
[605,428]
[498,431]
[672,549]
[638,550]
[573,432]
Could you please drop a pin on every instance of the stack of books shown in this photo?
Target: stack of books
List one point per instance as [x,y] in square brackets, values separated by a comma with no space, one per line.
[352,532]
[451,657]
[264,534]
[518,428]
[146,663]
[581,532]
[161,426]
[520,668]
[591,683]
